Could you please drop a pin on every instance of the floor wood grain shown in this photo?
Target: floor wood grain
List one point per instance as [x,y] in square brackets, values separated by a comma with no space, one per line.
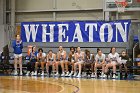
[23,84]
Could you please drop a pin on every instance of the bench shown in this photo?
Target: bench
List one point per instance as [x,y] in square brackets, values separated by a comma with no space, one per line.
[136,67]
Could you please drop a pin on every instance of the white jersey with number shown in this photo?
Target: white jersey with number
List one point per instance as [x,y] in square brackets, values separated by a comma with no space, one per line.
[113,57]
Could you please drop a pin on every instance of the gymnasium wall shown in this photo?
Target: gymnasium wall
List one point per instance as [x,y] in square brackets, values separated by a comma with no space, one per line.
[47,10]
[60,4]
[42,10]
[64,9]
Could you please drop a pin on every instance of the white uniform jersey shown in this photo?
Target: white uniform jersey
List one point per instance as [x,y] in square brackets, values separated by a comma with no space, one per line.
[50,58]
[73,57]
[41,59]
[80,56]
[43,54]
[62,54]
[113,57]
[99,59]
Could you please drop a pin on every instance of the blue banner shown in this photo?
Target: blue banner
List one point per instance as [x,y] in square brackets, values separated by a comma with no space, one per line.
[75,31]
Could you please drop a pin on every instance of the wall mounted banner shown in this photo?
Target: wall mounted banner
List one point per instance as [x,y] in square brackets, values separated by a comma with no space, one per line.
[76,31]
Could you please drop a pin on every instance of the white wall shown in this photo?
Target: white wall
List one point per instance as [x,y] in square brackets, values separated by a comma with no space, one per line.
[60,4]
[80,15]
[34,4]
[67,5]
[22,17]
[83,4]
[3,38]
[130,15]
[41,5]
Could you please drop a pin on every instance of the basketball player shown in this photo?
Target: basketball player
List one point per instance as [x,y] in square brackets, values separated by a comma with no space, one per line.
[33,60]
[62,58]
[17,46]
[71,59]
[51,59]
[40,61]
[124,56]
[89,61]
[79,58]
[100,62]
[113,57]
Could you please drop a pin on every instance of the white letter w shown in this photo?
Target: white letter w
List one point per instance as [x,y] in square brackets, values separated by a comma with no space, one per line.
[32,30]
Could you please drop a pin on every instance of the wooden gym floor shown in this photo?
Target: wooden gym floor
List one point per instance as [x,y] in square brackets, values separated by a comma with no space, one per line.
[23,84]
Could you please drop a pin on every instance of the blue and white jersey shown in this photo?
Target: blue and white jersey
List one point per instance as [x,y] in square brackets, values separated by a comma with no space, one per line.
[33,56]
[17,46]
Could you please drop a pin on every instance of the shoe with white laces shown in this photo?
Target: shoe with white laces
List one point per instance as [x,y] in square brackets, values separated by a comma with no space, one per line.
[104,76]
[21,73]
[79,75]
[35,74]
[101,75]
[70,74]
[63,74]
[85,74]
[75,74]
[32,73]
[15,73]
[42,74]
[95,75]
[67,74]
[28,72]
[114,76]
[56,74]
[92,75]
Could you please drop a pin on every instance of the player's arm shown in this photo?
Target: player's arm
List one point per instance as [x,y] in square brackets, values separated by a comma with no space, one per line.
[103,62]
[65,55]
[96,59]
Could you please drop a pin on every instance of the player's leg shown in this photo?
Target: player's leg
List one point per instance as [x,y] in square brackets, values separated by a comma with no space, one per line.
[62,66]
[36,68]
[75,69]
[20,63]
[66,66]
[42,67]
[56,65]
[15,64]
[47,67]
[72,68]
